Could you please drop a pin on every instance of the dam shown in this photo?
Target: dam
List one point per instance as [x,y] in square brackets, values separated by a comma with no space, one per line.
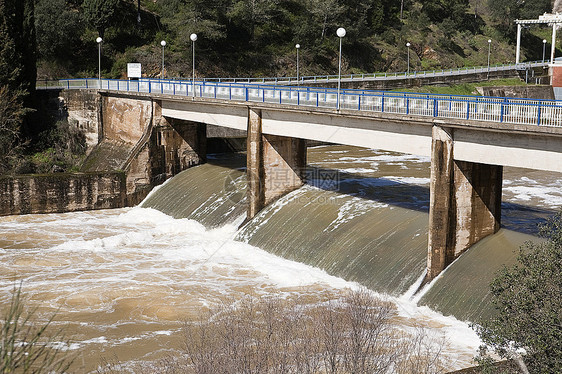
[469,141]
[124,279]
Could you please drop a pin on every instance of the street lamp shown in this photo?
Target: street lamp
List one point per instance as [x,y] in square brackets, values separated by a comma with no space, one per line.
[408,45]
[298,46]
[99,40]
[341,33]
[193,38]
[543,49]
[163,44]
[489,50]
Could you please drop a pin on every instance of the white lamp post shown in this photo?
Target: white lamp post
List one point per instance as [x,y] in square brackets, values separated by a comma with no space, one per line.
[408,45]
[298,46]
[543,49]
[341,33]
[489,50]
[193,38]
[99,40]
[163,44]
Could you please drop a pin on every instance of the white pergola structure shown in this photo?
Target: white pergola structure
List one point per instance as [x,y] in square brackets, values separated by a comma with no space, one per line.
[553,20]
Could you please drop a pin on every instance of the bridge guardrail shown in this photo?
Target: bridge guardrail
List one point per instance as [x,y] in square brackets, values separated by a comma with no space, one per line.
[489,109]
[382,76]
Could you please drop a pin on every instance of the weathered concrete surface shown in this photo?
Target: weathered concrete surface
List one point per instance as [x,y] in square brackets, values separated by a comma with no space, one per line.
[148,147]
[107,155]
[82,109]
[440,204]
[465,202]
[180,144]
[477,199]
[533,92]
[224,132]
[275,165]
[254,165]
[57,193]
[125,118]
[284,163]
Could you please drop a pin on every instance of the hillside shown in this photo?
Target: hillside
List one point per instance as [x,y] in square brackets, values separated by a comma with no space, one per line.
[258,37]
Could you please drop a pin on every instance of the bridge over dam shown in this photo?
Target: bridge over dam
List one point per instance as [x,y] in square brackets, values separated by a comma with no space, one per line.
[532,72]
[469,140]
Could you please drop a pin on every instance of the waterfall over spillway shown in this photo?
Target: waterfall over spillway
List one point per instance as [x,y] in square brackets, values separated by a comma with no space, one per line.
[370,242]
[212,193]
[369,225]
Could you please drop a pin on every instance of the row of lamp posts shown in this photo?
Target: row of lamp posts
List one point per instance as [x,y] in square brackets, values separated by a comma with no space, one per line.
[193,38]
[340,32]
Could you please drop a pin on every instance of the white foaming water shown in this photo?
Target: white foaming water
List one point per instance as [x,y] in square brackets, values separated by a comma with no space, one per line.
[124,280]
[351,209]
[145,272]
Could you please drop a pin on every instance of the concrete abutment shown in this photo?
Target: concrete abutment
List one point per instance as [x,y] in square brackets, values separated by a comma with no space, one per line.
[465,202]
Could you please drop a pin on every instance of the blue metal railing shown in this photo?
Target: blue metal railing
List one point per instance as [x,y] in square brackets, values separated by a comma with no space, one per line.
[489,109]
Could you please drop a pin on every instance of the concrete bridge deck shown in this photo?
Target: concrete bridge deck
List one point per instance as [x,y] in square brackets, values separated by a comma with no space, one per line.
[485,109]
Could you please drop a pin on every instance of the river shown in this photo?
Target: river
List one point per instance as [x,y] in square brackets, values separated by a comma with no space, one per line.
[123,281]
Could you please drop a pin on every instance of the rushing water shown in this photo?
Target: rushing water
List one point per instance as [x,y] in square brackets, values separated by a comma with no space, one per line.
[123,280]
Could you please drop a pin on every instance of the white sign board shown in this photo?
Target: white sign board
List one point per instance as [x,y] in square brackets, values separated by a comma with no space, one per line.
[134,70]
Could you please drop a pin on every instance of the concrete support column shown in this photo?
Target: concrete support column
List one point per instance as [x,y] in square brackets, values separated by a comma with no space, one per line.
[465,203]
[183,144]
[478,191]
[275,165]
[176,145]
[440,201]
[255,171]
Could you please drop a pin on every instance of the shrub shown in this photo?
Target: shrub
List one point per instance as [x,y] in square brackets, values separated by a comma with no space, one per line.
[351,335]
[27,347]
[528,301]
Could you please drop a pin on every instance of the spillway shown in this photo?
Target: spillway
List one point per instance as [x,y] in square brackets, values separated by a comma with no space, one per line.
[367,222]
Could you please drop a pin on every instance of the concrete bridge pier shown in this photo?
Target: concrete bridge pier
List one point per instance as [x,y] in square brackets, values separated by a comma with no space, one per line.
[465,202]
[178,144]
[275,164]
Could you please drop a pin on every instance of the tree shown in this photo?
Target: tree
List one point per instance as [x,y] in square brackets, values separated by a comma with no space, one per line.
[438,10]
[17,71]
[205,18]
[17,49]
[325,13]
[58,29]
[99,13]
[505,12]
[11,117]
[528,299]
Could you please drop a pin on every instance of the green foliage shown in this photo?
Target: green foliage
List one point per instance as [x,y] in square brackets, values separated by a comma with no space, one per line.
[17,44]
[528,301]
[63,145]
[257,37]
[26,347]
[99,13]
[505,12]
[438,10]
[58,29]
[11,117]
